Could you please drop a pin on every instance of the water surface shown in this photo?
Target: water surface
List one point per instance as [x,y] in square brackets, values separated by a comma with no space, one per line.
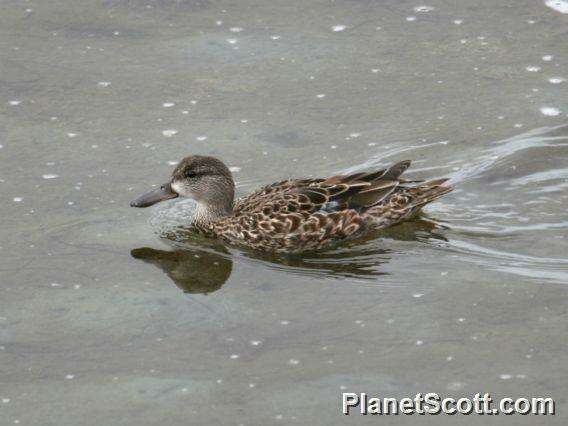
[102,322]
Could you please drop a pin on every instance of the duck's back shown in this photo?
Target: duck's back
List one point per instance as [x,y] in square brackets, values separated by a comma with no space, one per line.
[307,214]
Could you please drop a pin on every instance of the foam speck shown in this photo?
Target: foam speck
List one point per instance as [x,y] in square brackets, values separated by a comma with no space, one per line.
[550,111]
[320,96]
[532,68]
[18,199]
[103,83]
[235,29]
[168,104]
[169,133]
[338,28]
[15,102]
[232,40]
[556,80]
[411,18]
[423,9]
[547,58]
[275,37]
[201,138]
[50,176]
[558,5]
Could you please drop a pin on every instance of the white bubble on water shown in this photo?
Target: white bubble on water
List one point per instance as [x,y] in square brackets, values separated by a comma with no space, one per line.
[15,102]
[547,58]
[235,29]
[173,163]
[275,37]
[168,104]
[293,361]
[558,5]
[505,376]
[18,199]
[354,134]
[458,21]
[255,342]
[550,111]
[454,386]
[235,169]
[103,83]
[232,40]
[71,135]
[417,295]
[423,9]
[532,68]
[419,343]
[201,138]
[556,80]
[70,376]
[169,132]
[50,176]
[234,356]
[338,28]
[320,95]
[411,18]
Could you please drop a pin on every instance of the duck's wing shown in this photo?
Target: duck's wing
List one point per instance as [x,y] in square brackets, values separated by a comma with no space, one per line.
[357,191]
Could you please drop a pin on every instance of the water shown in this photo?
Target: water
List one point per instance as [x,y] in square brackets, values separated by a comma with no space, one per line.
[102,322]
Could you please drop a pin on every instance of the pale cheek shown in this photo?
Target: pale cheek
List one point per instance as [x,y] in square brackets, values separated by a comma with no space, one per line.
[181,189]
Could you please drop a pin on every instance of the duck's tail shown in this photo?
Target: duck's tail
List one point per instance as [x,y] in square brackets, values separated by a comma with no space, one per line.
[406,201]
[428,191]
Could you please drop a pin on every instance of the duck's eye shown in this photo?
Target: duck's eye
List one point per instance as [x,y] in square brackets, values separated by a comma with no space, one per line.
[190,175]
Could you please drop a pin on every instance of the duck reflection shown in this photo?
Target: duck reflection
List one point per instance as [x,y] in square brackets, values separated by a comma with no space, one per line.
[198,265]
[192,270]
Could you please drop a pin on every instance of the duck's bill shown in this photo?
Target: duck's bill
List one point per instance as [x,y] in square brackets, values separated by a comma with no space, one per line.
[164,192]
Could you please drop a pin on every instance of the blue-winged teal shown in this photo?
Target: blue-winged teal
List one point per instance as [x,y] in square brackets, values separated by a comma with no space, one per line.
[295,215]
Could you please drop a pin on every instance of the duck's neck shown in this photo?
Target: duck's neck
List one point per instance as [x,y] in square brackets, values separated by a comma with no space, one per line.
[206,214]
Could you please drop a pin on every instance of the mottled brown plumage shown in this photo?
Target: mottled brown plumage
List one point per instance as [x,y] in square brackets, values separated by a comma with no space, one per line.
[296,215]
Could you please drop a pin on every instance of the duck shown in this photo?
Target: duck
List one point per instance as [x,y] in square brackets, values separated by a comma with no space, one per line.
[295,215]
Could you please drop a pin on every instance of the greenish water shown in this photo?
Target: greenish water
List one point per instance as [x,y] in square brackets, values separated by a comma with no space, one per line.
[103,322]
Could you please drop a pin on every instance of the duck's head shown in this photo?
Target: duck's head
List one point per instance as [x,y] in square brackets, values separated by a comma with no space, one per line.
[205,179]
